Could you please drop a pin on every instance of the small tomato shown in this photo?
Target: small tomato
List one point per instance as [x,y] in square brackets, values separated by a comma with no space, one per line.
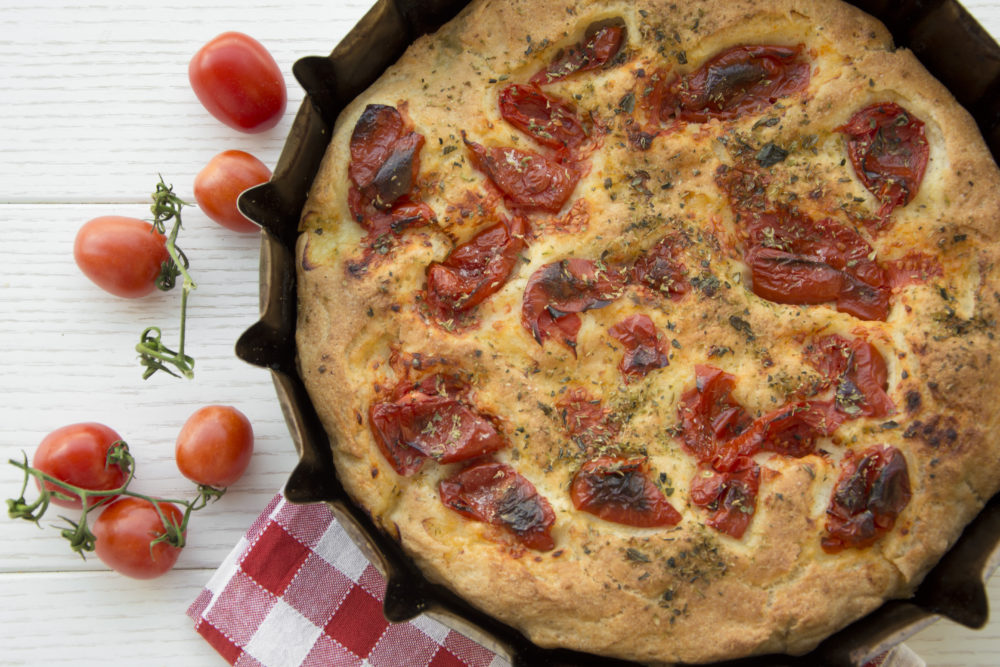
[239,82]
[219,184]
[214,446]
[77,454]
[121,255]
[125,530]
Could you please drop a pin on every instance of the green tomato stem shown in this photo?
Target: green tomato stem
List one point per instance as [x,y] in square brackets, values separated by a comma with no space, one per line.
[78,533]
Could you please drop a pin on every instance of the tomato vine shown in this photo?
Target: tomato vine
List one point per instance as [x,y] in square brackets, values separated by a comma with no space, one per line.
[154,355]
[78,533]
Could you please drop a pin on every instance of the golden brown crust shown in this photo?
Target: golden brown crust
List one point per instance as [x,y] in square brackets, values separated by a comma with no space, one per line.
[654,595]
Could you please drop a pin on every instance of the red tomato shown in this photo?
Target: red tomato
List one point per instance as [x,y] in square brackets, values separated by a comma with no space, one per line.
[239,82]
[527,179]
[214,446]
[601,43]
[618,489]
[586,420]
[476,269]
[498,495]
[549,120]
[420,425]
[556,292]
[731,497]
[741,79]
[645,346]
[120,255]
[874,487]
[124,531]
[77,454]
[217,186]
[889,152]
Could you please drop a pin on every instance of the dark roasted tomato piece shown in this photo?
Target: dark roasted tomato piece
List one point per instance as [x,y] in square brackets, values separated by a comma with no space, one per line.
[645,346]
[420,425]
[526,179]
[739,80]
[858,372]
[385,161]
[660,270]
[619,489]
[587,421]
[874,487]
[496,494]
[548,120]
[476,269]
[556,292]
[790,430]
[731,497]
[889,151]
[795,259]
[709,414]
[784,277]
[601,43]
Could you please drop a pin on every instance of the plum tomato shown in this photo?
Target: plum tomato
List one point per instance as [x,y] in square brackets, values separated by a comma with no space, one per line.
[220,182]
[77,454]
[239,82]
[214,446]
[121,255]
[124,531]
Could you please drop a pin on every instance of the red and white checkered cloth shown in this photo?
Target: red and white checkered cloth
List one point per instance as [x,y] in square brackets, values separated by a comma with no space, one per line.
[297,592]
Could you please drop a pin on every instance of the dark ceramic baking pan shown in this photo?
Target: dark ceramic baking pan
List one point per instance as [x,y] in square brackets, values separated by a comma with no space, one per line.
[942,34]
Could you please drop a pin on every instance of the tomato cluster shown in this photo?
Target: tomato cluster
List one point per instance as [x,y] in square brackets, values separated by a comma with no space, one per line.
[134,534]
[87,466]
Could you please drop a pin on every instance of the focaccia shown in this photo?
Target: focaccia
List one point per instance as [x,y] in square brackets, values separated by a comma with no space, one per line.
[658,330]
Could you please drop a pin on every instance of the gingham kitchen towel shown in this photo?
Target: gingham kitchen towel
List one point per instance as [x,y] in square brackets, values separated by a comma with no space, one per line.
[297,592]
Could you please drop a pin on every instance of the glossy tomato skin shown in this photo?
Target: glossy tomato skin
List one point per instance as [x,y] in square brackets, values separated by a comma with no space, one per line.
[218,185]
[124,531]
[214,446]
[239,82]
[77,454]
[121,255]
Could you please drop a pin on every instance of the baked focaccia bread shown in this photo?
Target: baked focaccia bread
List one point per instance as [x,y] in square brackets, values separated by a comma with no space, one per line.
[659,330]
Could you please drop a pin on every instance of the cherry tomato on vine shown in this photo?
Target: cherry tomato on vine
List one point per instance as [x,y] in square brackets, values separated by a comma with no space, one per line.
[124,531]
[239,82]
[121,255]
[77,454]
[214,446]
[220,182]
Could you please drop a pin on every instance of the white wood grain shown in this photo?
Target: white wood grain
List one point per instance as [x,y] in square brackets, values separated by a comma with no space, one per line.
[95,103]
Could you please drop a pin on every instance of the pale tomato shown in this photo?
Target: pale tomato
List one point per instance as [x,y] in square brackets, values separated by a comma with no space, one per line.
[219,184]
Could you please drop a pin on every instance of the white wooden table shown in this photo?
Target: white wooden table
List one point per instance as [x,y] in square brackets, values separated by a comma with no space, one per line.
[94,103]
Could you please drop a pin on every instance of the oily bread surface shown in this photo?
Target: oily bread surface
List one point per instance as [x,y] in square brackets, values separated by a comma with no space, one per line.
[658,595]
